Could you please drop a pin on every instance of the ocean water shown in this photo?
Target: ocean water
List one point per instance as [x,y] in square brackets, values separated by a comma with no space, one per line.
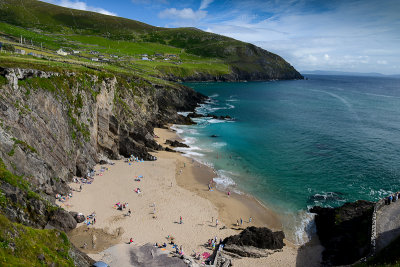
[295,144]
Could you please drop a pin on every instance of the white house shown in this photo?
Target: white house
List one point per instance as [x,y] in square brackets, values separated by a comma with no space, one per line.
[20,51]
[61,52]
[145,58]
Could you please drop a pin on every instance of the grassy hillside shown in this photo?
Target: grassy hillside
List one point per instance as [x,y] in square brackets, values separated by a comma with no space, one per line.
[24,246]
[182,51]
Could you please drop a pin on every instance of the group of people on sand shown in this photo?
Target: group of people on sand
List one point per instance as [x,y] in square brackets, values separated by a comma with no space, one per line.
[90,219]
[240,221]
[392,198]
[212,242]
[63,198]
[121,206]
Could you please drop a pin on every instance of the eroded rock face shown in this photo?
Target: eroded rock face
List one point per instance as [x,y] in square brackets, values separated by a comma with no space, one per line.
[345,231]
[254,241]
[57,125]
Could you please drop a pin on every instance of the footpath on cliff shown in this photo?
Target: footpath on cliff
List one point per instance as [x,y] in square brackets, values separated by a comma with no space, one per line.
[387,224]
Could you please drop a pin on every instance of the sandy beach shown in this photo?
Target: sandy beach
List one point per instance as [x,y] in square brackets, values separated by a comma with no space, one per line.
[174,186]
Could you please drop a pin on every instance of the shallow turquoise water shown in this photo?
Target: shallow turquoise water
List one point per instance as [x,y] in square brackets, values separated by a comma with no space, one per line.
[294,144]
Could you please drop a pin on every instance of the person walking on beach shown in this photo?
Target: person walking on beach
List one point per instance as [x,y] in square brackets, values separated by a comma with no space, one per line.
[216,222]
[129,212]
[212,219]
[131,240]
[250,219]
[229,193]
[241,221]
[180,220]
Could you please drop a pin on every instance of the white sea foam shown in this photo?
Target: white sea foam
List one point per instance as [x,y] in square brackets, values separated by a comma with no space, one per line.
[299,227]
[190,154]
[218,144]
[177,129]
[214,96]
[216,121]
[184,113]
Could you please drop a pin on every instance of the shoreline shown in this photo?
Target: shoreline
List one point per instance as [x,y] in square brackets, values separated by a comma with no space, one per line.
[167,194]
[199,177]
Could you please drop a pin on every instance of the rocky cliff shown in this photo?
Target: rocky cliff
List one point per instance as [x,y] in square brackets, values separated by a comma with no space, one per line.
[57,124]
[345,231]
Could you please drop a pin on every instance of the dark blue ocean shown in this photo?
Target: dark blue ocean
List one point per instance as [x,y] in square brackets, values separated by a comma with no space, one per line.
[295,144]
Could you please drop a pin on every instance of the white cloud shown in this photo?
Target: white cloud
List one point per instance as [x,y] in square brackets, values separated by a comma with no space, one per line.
[184,14]
[344,35]
[81,6]
[205,3]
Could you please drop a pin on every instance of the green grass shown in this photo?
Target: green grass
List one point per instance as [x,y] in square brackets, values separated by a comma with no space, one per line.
[12,179]
[21,245]
[56,27]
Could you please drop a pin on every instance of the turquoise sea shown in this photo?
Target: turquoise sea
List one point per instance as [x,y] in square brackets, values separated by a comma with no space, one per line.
[295,144]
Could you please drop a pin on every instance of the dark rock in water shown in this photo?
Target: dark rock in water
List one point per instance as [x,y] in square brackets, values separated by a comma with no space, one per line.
[62,220]
[345,231]
[214,136]
[249,242]
[175,143]
[195,115]
[222,117]
[169,149]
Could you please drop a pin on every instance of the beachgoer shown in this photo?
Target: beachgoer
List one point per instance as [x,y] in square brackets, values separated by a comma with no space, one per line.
[180,220]
[212,219]
[241,221]
[131,240]
[216,222]
[250,219]
[80,187]
[229,193]
[94,220]
[129,212]
[84,245]
[237,222]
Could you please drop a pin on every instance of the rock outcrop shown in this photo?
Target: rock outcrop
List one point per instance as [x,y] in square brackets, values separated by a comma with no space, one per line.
[254,242]
[345,231]
[56,125]
[175,143]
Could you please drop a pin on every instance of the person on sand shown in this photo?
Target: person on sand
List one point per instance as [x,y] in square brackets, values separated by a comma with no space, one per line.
[131,240]
[229,193]
[180,220]
[250,219]
[237,222]
[241,221]
[129,212]
[216,222]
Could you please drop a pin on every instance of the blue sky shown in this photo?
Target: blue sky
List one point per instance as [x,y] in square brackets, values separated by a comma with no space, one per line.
[342,35]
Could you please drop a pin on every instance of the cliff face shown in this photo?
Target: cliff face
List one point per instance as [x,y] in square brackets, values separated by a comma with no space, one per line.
[56,125]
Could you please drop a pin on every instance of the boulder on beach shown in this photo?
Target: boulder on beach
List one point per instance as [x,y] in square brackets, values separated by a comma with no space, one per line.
[175,143]
[253,241]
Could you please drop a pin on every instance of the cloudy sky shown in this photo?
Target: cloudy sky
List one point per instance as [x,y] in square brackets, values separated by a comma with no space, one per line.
[342,35]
